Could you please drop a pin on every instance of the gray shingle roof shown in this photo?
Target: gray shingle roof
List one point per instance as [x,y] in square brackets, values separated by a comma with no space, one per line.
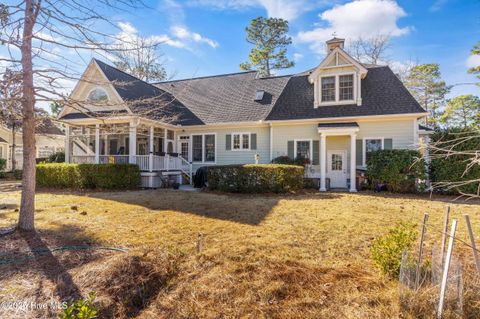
[229,97]
[382,94]
[2,140]
[345,124]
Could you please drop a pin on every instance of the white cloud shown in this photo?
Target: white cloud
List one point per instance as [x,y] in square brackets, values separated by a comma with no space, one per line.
[437,5]
[286,9]
[360,18]
[179,37]
[297,57]
[473,61]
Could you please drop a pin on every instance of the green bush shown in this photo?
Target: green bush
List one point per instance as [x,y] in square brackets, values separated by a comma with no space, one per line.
[445,169]
[256,178]
[88,176]
[17,174]
[399,169]
[387,250]
[285,160]
[58,157]
[3,164]
[80,309]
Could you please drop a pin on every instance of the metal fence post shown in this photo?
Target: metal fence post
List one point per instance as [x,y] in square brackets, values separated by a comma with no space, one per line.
[420,251]
[444,233]
[445,269]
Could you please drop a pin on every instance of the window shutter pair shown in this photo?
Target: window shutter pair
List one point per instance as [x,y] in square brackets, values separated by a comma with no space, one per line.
[253,142]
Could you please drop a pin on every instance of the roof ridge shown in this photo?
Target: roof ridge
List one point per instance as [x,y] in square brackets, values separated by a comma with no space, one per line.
[132,76]
[205,77]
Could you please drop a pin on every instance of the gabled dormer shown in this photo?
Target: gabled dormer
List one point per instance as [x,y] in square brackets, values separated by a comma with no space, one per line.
[338,79]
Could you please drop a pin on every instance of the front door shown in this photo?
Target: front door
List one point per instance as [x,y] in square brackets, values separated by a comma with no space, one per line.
[337,168]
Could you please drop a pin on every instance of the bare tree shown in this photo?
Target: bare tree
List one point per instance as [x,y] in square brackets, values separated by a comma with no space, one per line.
[10,106]
[145,62]
[43,31]
[371,50]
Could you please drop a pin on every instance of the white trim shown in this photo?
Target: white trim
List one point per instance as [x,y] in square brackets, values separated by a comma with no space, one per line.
[241,141]
[203,147]
[364,151]
[337,100]
[344,170]
[351,118]
[97,88]
[310,142]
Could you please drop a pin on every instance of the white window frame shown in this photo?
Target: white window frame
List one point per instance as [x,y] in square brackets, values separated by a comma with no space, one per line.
[241,141]
[364,155]
[203,147]
[337,100]
[309,140]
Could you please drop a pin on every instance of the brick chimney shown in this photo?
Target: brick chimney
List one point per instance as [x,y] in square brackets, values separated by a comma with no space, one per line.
[334,43]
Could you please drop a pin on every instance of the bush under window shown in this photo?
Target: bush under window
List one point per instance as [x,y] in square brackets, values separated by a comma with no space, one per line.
[256,178]
[88,176]
[399,170]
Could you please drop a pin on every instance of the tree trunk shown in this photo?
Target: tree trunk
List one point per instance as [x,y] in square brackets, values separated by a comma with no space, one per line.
[13,148]
[27,205]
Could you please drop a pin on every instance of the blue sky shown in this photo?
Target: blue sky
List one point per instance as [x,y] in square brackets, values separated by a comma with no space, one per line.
[207,37]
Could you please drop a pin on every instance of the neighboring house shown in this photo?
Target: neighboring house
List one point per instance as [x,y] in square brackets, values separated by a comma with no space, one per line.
[49,139]
[334,114]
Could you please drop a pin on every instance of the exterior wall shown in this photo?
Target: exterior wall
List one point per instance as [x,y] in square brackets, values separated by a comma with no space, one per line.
[401,132]
[54,143]
[226,157]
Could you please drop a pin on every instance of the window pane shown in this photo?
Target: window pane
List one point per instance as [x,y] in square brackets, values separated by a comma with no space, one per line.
[346,87]
[246,141]
[371,146]
[236,141]
[303,149]
[337,162]
[97,95]
[170,135]
[197,148]
[328,89]
[209,148]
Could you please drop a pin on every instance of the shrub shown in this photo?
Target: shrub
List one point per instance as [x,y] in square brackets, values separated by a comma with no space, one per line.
[256,178]
[284,160]
[445,169]
[80,309]
[387,250]
[88,176]
[3,164]
[399,169]
[58,157]
[17,174]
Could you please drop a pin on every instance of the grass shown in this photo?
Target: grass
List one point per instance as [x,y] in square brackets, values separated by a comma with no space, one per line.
[263,256]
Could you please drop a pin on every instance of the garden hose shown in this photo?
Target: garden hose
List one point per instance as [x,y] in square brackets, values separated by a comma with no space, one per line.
[46,251]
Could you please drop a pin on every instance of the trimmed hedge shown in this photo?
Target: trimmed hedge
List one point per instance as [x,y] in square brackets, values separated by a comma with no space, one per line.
[399,169]
[256,178]
[444,169]
[88,176]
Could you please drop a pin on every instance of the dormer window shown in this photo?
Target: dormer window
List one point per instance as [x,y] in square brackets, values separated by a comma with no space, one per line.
[346,87]
[328,89]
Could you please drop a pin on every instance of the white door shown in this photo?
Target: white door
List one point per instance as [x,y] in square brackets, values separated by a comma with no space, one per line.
[184,147]
[337,168]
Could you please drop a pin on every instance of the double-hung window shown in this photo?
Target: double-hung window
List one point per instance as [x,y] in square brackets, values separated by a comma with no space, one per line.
[240,141]
[203,148]
[328,89]
[345,83]
[303,149]
[372,145]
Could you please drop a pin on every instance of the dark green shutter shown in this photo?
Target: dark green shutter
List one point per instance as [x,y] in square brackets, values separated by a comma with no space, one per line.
[316,153]
[359,152]
[253,142]
[228,142]
[290,150]
[387,144]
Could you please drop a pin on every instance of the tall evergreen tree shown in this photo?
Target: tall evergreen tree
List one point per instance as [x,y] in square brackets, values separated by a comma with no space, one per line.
[425,83]
[269,36]
[462,111]
[476,69]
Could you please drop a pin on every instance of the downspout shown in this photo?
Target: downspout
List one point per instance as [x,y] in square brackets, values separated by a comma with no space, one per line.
[271,142]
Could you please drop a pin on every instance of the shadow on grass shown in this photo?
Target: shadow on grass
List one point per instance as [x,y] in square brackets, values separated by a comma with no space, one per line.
[31,254]
[239,208]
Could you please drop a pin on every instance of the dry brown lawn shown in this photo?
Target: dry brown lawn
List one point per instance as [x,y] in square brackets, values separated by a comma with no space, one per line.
[262,256]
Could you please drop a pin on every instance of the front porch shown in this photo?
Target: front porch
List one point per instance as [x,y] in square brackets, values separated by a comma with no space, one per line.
[148,144]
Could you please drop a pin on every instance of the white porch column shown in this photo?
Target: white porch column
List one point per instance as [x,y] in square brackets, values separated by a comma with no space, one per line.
[165,140]
[323,162]
[67,143]
[132,143]
[150,154]
[97,143]
[353,162]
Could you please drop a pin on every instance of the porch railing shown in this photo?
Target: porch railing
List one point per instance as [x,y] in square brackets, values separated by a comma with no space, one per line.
[146,163]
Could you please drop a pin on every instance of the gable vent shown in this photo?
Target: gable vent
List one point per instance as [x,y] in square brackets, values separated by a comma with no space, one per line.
[259,95]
